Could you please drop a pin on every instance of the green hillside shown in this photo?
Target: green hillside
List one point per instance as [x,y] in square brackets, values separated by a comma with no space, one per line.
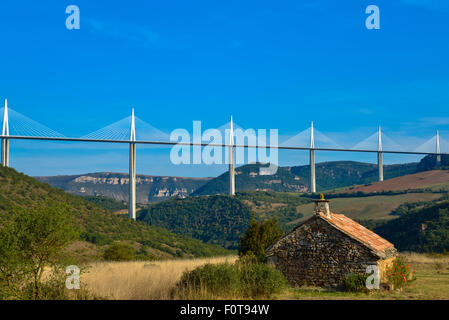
[212,219]
[423,229]
[97,224]
[220,219]
[429,162]
[248,178]
[337,174]
[280,205]
[329,175]
[107,203]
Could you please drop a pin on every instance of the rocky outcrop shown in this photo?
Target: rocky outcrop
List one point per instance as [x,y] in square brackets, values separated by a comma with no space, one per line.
[116,185]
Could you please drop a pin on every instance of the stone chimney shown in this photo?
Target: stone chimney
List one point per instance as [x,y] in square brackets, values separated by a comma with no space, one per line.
[322,207]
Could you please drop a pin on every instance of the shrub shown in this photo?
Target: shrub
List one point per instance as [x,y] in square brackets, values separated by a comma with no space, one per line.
[210,279]
[54,288]
[355,283]
[260,280]
[119,251]
[142,254]
[258,237]
[400,273]
[242,279]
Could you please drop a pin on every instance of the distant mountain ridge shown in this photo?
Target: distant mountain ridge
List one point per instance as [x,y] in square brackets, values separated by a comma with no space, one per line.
[329,175]
[116,185]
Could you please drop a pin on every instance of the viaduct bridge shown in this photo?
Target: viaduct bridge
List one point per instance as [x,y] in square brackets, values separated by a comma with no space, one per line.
[28,129]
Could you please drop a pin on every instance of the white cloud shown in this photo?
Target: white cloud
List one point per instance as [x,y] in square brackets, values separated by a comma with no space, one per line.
[129,32]
[435,121]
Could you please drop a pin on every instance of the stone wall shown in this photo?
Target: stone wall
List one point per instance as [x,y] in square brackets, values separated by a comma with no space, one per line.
[317,254]
[383,265]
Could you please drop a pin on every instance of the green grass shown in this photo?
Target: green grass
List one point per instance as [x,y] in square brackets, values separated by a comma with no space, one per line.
[440,187]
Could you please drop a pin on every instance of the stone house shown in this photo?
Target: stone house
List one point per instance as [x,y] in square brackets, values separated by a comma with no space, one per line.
[326,248]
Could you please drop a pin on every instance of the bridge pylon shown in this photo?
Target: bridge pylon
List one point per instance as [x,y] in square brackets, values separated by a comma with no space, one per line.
[5,141]
[132,170]
[312,160]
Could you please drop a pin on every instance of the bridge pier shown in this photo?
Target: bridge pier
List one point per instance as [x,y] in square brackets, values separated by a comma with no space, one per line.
[132,170]
[132,181]
[380,166]
[231,160]
[5,152]
[380,163]
[312,188]
[438,148]
[312,172]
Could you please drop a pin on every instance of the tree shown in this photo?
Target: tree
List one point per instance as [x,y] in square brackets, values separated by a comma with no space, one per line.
[31,241]
[258,237]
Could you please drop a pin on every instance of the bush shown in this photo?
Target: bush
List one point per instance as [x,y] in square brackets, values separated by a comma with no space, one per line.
[260,280]
[119,251]
[356,283]
[216,279]
[143,255]
[400,273]
[258,237]
[54,288]
[242,279]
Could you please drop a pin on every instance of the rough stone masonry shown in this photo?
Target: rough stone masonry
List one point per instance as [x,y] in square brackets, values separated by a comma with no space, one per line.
[326,248]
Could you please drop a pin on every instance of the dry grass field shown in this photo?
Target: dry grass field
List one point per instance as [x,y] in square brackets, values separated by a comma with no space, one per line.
[155,280]
[139,280]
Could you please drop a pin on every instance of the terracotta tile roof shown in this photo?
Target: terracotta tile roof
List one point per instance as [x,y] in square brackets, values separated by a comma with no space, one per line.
[359,232]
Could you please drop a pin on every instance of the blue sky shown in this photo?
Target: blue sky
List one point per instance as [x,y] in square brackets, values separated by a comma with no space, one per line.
[269,64]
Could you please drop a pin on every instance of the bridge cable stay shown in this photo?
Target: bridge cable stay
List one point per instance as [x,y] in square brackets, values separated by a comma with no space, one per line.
[120,130]
[311,138]
[372,143]
[436,144]
[20,125]
[302,139]
[380,141]
[229,134]
[16,124]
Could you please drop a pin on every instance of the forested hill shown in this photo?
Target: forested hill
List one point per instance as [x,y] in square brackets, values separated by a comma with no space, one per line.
[422,230]
[221,219]
[215,219]
[329,175]
[98,225]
